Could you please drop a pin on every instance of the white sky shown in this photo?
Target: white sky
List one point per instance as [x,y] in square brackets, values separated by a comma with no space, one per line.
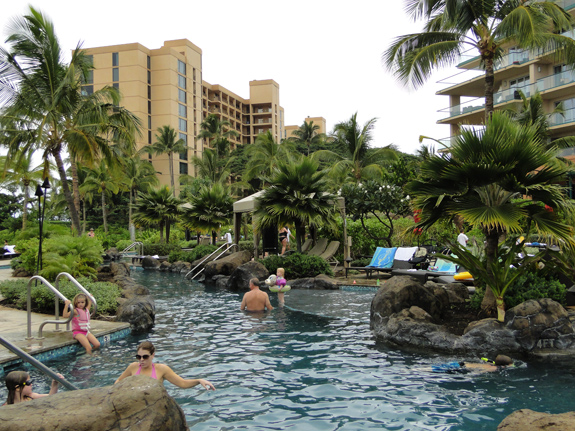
[325,55]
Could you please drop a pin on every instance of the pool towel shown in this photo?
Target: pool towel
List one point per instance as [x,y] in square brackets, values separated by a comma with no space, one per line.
[405,253]
[383,257]
[445,266]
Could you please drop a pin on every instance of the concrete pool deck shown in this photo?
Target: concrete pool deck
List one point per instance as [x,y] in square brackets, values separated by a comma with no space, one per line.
[13,328]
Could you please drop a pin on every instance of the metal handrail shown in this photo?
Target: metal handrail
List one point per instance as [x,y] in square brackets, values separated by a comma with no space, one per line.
[80,288]
[229,246]
[34,362]
[131,246]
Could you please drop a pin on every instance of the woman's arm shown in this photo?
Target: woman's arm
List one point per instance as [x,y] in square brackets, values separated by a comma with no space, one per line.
[128,372]
[174,379]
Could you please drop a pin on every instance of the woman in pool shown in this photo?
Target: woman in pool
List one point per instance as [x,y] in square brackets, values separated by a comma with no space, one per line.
[146,367]
[19,387]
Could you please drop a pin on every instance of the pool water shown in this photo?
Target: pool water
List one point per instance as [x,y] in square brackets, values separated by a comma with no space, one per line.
[294,369]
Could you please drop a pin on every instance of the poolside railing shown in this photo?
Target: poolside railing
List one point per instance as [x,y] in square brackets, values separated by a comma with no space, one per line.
[228,247]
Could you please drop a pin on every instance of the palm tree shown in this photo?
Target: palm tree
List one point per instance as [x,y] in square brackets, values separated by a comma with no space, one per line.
[308,135]
[43,102]
[166,143]
[264,155]
[298,194]
[105,181]
[495,179]
[486,26]
[217,132]
[207,210]
[211,168]
[157,207]
[21,174]
[358,159]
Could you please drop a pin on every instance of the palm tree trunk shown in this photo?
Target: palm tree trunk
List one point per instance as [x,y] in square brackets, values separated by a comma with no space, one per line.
[489,84]
[299,232]
[168,225]
[104,216]
[131,227]
[25,205]
[162,231]
[172,173]
[488,304]
[75,183]
[84,218]
[67,194]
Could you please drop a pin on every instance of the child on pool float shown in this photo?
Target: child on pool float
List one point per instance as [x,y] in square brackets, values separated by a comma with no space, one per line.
[277,284]
[466,367]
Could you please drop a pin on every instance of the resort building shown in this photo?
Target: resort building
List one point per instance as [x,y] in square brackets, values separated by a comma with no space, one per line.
[518,70]
[317,121]
[165,86]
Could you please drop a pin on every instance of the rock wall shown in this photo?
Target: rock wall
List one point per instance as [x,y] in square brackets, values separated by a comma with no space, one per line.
[528,420]
[136,403]
[406,313]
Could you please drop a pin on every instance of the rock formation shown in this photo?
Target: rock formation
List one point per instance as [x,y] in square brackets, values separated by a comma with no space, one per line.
[136,403]
[528,420]
[240,278]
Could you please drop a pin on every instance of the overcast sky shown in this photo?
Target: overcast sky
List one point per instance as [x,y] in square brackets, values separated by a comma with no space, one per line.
[325,55]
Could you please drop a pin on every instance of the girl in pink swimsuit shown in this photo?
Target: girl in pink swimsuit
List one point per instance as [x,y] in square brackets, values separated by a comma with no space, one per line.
[146,367]
[81,322]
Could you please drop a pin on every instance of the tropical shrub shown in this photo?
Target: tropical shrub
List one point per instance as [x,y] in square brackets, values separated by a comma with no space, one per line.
[79,256]
[15,293]
[531,285]
[113,236]
[297,265]
[160,249]
[123,243]
[193,255]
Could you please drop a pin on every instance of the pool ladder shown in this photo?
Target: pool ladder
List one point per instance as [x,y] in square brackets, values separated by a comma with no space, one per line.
[227,247]
[59,295]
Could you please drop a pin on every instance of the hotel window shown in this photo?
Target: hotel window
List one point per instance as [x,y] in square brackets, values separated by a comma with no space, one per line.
[87,90]
[149,62]
[149,92]
[182,96]
[149,121]
[181,67]
[115,74]
[149,77]
[184,155]
[182,110]
[90,77]
[183,137]
[183,125]
[116,85]
[183,168]
[115,59]
[149,137]
[194,73]
[182,81]
[149,107]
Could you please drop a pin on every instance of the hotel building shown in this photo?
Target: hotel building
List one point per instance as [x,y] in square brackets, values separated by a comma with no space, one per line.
[165,87]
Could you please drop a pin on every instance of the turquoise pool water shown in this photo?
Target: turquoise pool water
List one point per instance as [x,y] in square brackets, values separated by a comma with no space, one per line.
[300,371]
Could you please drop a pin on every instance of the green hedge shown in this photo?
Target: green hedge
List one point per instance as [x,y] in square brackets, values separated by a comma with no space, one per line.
[15,293]
[190,256]
[160,249]
[297,265]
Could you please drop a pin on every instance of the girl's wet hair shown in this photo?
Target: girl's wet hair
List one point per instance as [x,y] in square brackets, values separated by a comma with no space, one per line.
[147,345]
[80,295]
[15,380]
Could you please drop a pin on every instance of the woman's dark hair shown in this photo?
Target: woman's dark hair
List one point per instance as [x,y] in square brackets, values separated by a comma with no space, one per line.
[503,360]
[147,345]
[15,380]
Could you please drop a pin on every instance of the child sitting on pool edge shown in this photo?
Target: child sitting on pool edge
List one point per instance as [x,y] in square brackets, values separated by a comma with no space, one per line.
[81,322]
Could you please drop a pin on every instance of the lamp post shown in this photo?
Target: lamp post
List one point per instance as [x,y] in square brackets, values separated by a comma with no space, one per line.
[41,211]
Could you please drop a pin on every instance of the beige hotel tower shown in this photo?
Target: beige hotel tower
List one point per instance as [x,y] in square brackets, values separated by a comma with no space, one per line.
[165,87]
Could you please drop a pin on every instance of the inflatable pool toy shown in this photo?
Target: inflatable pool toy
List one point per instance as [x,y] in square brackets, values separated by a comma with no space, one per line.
[463,276]
[277,284]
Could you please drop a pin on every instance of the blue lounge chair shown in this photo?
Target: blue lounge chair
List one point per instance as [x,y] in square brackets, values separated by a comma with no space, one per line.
[382,260]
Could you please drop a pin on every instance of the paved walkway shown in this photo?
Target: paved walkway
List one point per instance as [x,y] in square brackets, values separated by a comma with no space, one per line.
[14,328]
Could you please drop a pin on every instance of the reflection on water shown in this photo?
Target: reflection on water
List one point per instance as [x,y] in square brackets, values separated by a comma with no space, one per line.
[291,369]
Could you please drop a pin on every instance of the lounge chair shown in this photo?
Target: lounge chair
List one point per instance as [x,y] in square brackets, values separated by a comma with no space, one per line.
[382,260]
[330,251]
[319,248]
[402,258]
[306,245]
[9,251]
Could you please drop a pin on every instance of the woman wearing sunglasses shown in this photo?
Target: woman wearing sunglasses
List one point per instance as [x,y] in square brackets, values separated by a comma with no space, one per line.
[146,367]
[19,387]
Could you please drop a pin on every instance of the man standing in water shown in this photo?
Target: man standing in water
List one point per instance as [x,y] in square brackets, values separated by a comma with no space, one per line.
[255,299]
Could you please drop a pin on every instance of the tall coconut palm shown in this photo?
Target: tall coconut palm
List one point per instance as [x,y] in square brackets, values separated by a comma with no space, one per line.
[43,103]
[453,26]
[22,174]
[104,181]
[298,193]
[210,167]
[308,134]
[207,210]
[157,207]
[264,155]
[166,143]
[217,132]
[359,160]
[484,180]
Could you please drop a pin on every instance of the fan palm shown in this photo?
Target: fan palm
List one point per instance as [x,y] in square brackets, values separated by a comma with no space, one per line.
[487,26]
[359,160]
[166,143]
[43,102]
[157,207]
[105,181]
[210,208]
[495,179]
[264,155]
[298,193]
[210,167]
[308,134]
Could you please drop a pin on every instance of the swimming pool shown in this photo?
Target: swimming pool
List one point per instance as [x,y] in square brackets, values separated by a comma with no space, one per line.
[295,370]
